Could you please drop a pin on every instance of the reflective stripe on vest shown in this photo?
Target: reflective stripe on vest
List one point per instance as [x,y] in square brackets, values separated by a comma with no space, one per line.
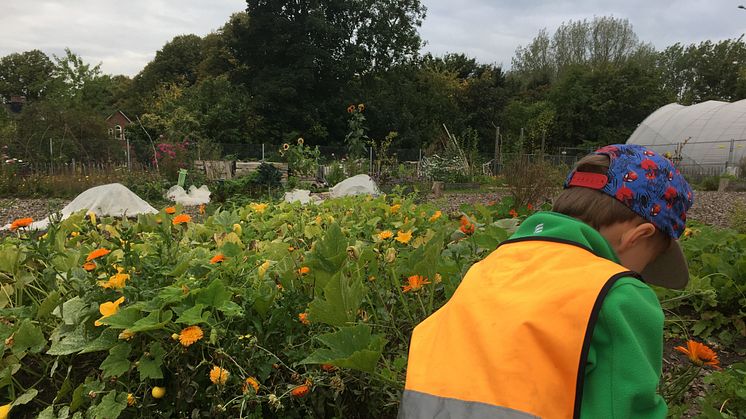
[512,342]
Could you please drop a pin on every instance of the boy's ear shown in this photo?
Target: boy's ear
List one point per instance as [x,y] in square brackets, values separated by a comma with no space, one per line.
[633,236]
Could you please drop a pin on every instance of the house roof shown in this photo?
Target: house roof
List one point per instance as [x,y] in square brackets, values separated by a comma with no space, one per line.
[119,112]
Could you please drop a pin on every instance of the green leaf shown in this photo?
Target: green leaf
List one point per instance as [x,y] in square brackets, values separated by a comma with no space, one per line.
[328,256]
[48,305]
[73,311]
[26,397]
[28,337]
[214,295]
[154,321]
[193,315]
[342,297]
[111,406]
[424,260]
[105,341]
[47,413]
[150,365]
[117,363]
[351,347]
[69,342]
[124,318]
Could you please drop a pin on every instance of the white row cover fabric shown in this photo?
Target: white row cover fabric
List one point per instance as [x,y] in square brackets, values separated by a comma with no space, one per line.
[711,128]
[195,196]
[114,200]
[356,185]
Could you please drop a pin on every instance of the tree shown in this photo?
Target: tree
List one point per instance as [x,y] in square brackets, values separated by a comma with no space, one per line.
[28,74]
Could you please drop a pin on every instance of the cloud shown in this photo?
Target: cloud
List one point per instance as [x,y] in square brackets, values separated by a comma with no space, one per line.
[124,36]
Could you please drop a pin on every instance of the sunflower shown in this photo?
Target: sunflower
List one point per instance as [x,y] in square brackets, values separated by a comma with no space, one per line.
[351,109]
[403,237]
[300,391]
[415,282]
[700,354]
[251,382]
[285,147]
[181,219]
[21,222]
[107,309]
[97,254]
[361,107]
[300,141]
[170,210]
[219,375]
[217,258]
[189,335]
[435,216]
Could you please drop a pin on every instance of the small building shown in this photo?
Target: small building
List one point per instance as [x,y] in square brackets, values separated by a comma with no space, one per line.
[117,123]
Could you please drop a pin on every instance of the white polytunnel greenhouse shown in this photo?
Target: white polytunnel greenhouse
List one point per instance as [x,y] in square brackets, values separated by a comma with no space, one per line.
[710,137]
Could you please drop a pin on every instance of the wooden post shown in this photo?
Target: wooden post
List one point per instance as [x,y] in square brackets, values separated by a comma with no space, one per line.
[496,157]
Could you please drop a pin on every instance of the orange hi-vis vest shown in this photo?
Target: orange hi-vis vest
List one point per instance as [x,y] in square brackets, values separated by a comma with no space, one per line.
[513,340]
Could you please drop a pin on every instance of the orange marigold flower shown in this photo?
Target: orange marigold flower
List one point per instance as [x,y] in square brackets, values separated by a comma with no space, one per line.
[300,391]
[170,210]
[513,213]
[304,270]
[89,266]
[415,283]
[466,226]
[190,334]
[181,219]
[385,234]
[21,222]
[303,317]
[219,375]
[217,258]
[700,354]
[251,382]
[435,216]
[403,236]
[97,254]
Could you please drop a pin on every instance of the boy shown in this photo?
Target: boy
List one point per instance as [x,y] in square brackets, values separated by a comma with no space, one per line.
[558,322]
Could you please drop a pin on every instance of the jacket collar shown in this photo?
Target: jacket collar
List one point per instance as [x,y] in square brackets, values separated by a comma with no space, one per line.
[560,227]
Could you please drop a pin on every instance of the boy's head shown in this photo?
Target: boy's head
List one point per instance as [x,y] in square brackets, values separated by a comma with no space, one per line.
[638,201]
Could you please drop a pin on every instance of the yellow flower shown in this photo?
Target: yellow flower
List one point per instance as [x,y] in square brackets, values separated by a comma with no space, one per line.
[258,208]
[92,216]
[131,399]
[263,269]
[190,334]
[219,375]
[5,410]
[107,309]
[237,229]
[74,234]
[202,209]
[251,382]
[435,216]
[386,234]
[403,236]
[117,281]
[395,208]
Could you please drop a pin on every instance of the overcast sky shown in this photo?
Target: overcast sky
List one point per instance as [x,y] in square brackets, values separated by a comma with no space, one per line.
[124,35]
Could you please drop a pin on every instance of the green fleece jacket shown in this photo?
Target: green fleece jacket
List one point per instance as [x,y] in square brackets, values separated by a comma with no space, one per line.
[626,352]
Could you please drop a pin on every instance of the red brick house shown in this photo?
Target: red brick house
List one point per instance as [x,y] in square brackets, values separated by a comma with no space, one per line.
[117,123]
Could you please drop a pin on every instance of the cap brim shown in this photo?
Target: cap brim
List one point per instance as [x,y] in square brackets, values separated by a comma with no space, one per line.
[669,269]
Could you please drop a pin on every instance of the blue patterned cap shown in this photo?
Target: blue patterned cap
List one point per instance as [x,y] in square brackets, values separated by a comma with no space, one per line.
[644,181]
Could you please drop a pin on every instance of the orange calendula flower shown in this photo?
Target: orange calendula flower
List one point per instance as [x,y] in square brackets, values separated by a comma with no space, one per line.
[303,317]
[97,254]
[181,219]
[435,216]
[466,226]
[21,222]
[190,334]
[217,258]
[170,210]
[304,270]
[415,283]
[89,266]
[300,391]
[385,234]
[513,213]
[251,382]
[107,309]
[403,236]
[700,354]
[395,208]
[328,367]
[219,375]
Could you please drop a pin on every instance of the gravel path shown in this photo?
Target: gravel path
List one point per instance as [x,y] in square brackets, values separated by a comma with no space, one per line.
[709,207]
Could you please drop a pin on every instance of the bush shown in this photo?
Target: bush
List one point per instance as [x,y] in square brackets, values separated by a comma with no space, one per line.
[533,182]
